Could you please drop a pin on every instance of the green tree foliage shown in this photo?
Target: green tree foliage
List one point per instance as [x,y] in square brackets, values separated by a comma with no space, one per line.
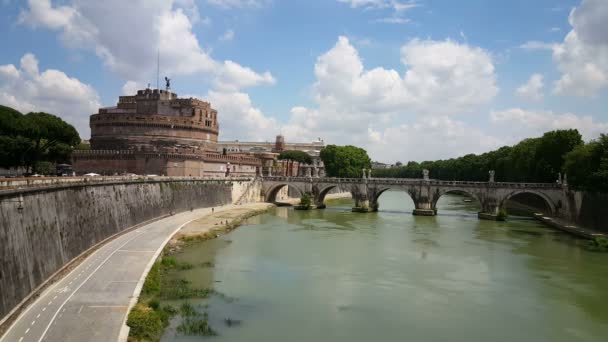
[28,140]
[587,165]
[345,161]
[299,156]
[531,160]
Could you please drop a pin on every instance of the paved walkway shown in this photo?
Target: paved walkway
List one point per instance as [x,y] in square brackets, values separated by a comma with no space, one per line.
[92,301]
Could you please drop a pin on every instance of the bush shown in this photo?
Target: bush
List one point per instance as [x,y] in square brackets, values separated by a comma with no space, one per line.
[147,323]
[599,244]
[502,214]
[305,200]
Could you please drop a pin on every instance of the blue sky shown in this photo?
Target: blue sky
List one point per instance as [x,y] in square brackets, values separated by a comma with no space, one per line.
[408,80]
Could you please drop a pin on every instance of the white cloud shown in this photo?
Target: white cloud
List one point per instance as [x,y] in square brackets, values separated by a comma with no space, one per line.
[536,45]
[239,119]
[27,89]
[393,20]
[533,89]
[520,123]
[397,7]
[129,33]
[227,4]
[582,58]
[131,87]
[429,139]
[358,106]
[227,36]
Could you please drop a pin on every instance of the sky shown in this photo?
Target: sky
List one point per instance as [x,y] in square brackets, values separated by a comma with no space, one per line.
[404,79]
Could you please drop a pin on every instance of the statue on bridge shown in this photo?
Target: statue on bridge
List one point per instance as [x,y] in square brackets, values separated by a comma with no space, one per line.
[425,174]
[364,175]
[491,172]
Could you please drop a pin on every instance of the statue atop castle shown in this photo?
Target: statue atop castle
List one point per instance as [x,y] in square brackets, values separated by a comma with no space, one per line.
[167,83]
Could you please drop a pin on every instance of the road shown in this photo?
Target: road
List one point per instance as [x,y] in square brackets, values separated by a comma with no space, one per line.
[92,301]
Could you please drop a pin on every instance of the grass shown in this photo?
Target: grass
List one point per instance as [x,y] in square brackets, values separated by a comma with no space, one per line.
[196,325]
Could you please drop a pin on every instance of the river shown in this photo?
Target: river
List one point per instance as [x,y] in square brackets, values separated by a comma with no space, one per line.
[333,275]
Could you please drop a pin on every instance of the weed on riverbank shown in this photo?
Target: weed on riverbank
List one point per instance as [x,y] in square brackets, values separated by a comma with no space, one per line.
[599,244]
[148,319]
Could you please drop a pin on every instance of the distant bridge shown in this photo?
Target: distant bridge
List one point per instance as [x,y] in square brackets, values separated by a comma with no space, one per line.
[425,193]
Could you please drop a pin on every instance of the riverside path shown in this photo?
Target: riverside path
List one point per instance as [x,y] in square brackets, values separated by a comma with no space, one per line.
[92,301]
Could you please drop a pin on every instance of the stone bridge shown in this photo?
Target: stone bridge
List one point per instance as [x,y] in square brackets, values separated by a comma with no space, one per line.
[425,193]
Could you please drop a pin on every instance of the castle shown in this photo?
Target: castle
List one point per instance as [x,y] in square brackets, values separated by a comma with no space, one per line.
[156,132]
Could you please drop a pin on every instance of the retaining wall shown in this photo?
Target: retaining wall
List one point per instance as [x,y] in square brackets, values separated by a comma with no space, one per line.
[56,225]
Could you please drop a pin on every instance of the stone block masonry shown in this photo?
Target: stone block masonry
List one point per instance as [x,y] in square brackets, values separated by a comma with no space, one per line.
[55,225]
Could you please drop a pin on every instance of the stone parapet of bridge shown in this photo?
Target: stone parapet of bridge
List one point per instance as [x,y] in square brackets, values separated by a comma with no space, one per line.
[425,193]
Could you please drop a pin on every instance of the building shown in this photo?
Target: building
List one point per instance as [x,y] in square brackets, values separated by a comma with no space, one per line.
[269,151]
[156,132]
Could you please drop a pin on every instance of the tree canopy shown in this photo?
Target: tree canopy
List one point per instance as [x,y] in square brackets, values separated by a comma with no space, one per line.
[531,160]
[345,161]
[28,140]
[299,156]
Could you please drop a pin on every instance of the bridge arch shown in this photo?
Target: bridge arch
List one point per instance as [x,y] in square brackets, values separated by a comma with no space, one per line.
[547,199]
[271,193]
[375,195]
[323,192]
[458,191]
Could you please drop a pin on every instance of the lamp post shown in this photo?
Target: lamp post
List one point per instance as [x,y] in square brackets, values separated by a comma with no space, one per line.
[227,169]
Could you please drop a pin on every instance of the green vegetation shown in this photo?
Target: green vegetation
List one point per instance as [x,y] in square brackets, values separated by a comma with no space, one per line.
[147,322]
[299,156]
[345,161]
[148,319]
[305,201]
[587,165]
[599,244]
[195,325]
[531,160]
[502,214]
[35,141]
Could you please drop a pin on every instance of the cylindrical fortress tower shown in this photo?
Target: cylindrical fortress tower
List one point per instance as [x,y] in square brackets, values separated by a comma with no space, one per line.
[154,120]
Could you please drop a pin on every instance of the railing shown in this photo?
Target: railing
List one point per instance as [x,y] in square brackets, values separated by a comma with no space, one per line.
[11,184]
[413,181]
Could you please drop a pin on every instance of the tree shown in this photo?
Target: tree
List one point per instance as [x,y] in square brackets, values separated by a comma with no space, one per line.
[550,152]
[27,140]
[298,156]
[345,161]
[587,165]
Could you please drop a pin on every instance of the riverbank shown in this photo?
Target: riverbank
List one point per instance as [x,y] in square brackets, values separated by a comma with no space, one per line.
[148,319]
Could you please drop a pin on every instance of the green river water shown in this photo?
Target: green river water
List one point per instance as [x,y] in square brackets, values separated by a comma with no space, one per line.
[333,275]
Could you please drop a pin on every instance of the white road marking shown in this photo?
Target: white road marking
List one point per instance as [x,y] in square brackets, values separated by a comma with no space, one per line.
[27,330]
[51,302]
[44,309]
[33,322]
[21,339]
[38,316]
[54,297]
[82,284]
[80,310]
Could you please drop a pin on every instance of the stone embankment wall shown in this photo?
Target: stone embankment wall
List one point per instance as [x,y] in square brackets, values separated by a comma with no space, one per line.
[587,209]
[57,224]
[592,210]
